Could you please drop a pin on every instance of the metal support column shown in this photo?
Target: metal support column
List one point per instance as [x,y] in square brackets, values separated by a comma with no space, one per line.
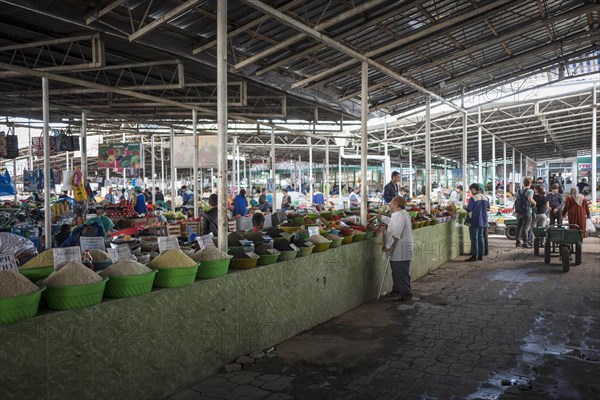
[153,167]
[340,174]
[30,147]
[594,181]
[504,183]
[162,167]
[273,168]
[46,116]
[364,147]
[143,158]
[222,119]
[84,149]
[521,166]
[326,188]
[410,174]
[195,160]
[310,170]
[514,157]
[479,148]
[493,169]
[464,160]
[428,155]
[173,171]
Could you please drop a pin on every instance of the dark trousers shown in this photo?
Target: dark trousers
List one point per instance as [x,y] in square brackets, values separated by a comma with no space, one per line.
[523,227]
[556,218]
[401,277]
[477,241]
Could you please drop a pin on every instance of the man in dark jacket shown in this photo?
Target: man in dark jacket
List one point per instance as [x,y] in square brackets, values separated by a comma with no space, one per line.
[210,220]
[391,189]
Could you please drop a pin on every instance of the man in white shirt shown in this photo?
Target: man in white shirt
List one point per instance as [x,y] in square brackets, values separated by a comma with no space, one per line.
[355,197]
[455,195]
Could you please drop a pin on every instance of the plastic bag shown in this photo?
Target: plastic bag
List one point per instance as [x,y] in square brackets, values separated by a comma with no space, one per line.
[589,226]
[17,245]
[66,180]
[6,186]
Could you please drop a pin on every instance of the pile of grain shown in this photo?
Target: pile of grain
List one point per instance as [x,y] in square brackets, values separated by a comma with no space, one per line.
[318,239]
[12,283]
[263,250]
[283,245]
[72,274]
[173,258]
[99,255]
[44,259]
[234,239]
[210,254]
[126,268]
[357,232]
[255,237]
[276,233]
[331,236]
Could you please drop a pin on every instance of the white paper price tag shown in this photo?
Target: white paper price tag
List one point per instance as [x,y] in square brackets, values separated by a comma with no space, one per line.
[91,243]
[313,230]
[167,242]
[294,247]
[273,251]
[120,253]
[8,262]
[309,244]
[63,255]
[206,241]
[252,255]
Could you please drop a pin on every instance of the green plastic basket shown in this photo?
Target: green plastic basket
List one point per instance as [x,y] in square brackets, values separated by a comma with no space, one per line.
[102,265]
[268,259]
[335,243]
[358,237]
[18,308]
[284,236]
[327,214]
[369,234]
[235,249]
[74,297]
[287,255]
[298,220]
[175,277]
[213,269]
[130,285]
[347,239]
[305,251]
[320,247]
[35,274]
[303,235]
[243,263]
[324,232]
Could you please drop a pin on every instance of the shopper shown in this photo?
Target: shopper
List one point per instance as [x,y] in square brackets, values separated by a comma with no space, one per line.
[210,221]
[139,201]
[318,199]
[286,200]
[576,209]
[555,203]
[187,195]
[258,222]
[522,207]
[477,218]
[455,196]
[391,189]
[110,197]
[263,204]
[158,194]
[355,197]
[582,185]
[404,194]
[240,204]
[541,207]
[399,247]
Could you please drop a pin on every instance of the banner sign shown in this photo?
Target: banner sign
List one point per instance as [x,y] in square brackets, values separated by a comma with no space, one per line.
[119,156]
[584,165]
[184,151]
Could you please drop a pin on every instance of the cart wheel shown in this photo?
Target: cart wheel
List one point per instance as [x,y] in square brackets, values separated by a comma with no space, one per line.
[511,232]
[536,246]
[547,252]
[578,247]
[564,255]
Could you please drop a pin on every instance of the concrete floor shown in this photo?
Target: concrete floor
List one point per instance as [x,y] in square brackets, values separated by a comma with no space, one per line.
[508,327]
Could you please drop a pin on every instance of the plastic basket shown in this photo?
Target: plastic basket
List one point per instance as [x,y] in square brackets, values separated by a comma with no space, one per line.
[18,308]
[243,263]
[298,220]
[335,243]
[346,239]
[35,274]
[434,221]
[305,251]
[369,234]
[175,277]
[234,249]
[303,235]
[284,236]
[130,285]
[268,259]
[102,265]
[213,269]
[289,229]
[426,223]
[327,214]
[413,214]
[324,232]
[74,297]
[287,255]
[358,237]
[320,247]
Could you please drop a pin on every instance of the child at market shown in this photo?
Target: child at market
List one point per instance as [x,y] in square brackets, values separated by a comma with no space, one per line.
[258,222]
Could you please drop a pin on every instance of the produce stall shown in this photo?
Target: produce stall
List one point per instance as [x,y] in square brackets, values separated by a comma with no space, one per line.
[150,344]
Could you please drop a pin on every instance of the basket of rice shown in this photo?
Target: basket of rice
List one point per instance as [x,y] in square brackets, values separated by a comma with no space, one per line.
[267,256]
[336,241]
[213,263]
[242,260]
[358,235]
[19,297]
[347,239]
[289,228]
[73,286]
[101,259]
[128,278]
[175,269]
[39,267]
[321,243]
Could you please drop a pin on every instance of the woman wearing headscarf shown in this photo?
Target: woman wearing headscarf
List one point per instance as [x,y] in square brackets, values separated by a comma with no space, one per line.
[240,204]
[140,201]
[577,210]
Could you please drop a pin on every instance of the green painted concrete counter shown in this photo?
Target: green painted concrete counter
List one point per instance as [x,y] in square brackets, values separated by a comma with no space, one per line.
[147,347]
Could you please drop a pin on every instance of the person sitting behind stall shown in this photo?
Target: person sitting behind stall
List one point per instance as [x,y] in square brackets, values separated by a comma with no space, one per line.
[188,196]
[64,195]
[404,194]
[318,198]
[286,201]
[263,204]
[62,235]
[258,222]
[240,204]
[140,201]
[210,223]
[110,197]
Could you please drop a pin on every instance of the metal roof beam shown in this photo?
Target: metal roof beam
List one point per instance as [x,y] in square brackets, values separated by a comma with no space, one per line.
[99,12]
[319,27]
[344,49]
[169,15]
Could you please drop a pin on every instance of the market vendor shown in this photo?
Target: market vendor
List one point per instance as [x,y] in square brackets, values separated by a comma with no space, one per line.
[140,201]
[110,197]
[62,235]
[391,189]
[286,201]
[240,204]
[258,222]
[355,197]
[455,196]
[210,222]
